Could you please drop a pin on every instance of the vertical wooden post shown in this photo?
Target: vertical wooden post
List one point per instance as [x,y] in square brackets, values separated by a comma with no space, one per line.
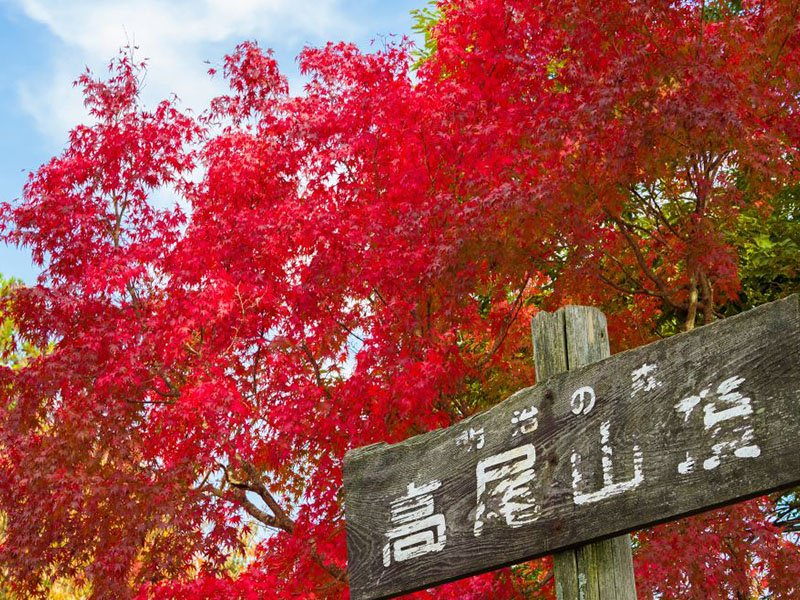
[572,337]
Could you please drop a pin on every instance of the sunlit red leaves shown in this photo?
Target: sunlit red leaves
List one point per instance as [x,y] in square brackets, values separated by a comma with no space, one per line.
[742,553]
[359,264]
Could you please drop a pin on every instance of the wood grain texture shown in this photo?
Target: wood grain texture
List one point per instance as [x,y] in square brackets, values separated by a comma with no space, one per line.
[572,337]
[696,421]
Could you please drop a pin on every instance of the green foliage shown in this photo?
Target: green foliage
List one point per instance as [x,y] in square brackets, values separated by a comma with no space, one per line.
[6,324]
[14,352]
[425,19]
[720,9]
[768,239]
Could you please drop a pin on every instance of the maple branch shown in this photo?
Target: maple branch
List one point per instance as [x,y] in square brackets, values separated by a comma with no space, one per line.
[116,227]
[279,519]
[708,298]
[428,313]
[203,482]
[336,572]
[691,313]
[386,304]
[237,491]
[628,276]
[317,370]
[652,39]
[191,350]
[666,293]
[260,488]
[173,391]
[167,402]
[645,231]
[617,286]
[691,178]
[787,37]
[426,155]
[651,202]
[240,497]
[672,138]
[346,329]
[624,290]
[508,320]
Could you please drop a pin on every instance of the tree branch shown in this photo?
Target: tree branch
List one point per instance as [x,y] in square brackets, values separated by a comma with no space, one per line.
[317,370]
[279,519]
[666,293]
[508,320]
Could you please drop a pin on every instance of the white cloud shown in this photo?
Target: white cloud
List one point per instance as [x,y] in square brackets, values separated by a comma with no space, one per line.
[175,36]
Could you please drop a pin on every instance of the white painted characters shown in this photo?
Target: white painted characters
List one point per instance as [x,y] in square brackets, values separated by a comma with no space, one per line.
[609,488]
[472,439]
[726,415]
[582,402]
[525,421]
[418,530]
[644,379]
[505,488]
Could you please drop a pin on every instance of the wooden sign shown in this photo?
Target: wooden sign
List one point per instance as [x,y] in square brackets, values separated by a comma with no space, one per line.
[682,425]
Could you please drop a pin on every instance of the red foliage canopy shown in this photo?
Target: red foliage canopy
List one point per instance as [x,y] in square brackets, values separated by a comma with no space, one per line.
[358,264]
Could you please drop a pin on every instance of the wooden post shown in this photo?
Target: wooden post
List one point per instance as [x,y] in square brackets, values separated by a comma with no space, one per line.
[570,338]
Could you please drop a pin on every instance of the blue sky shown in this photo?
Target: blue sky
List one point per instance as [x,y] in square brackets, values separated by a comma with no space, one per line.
[46,44]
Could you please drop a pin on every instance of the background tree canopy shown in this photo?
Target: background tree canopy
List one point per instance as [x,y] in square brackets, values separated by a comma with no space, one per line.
[360,264]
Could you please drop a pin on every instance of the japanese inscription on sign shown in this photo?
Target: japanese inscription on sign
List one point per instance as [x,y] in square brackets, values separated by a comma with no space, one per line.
[679,426]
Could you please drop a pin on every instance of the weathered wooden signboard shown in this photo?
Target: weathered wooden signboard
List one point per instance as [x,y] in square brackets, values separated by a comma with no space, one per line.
[682,425]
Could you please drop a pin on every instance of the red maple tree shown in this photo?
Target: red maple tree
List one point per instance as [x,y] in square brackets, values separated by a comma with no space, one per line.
[359,264]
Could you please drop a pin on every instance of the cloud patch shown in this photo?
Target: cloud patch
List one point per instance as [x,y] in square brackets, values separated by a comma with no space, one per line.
[176,37]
